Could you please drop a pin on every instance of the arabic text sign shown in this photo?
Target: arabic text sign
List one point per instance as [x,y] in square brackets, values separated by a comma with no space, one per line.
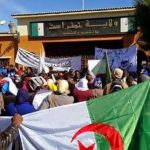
[98,26]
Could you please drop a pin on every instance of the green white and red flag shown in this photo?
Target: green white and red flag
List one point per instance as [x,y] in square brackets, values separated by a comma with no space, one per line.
[119,121]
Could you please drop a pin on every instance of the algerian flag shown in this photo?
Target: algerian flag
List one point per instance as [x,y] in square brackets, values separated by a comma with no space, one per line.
[127,24]
[37,29]
[97,66]
[105,123]
[94,66]
[100,67]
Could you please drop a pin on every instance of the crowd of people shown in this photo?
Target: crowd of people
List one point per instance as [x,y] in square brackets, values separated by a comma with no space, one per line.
[26,91]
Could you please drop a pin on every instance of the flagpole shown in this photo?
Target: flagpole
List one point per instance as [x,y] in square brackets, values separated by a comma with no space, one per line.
[82,4]
[108,67]
[39,70]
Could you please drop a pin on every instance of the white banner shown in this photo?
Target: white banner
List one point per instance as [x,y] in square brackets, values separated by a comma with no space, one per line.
[27,59]
[125,58]
[64,63]
[60,64]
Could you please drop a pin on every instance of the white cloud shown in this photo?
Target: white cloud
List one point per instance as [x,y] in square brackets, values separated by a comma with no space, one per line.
[13,6]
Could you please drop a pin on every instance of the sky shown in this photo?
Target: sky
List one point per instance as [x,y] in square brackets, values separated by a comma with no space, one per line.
[9,7]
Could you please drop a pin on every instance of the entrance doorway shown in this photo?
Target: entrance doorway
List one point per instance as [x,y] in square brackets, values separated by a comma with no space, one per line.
[4,62]
[85,49]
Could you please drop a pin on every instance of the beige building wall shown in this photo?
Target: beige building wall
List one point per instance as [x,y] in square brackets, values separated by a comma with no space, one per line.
[8,47]
[35,45]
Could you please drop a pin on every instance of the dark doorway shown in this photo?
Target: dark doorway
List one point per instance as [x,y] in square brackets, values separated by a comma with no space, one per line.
[4,62]
[78,48]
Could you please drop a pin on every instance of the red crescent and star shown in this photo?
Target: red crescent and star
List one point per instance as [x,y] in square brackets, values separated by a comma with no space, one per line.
[111,135]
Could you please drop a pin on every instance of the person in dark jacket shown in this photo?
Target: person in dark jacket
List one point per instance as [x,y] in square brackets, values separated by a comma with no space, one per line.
[10,134]
[22,104]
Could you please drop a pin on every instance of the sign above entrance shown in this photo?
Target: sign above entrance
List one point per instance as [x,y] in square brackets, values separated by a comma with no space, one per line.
[86,27]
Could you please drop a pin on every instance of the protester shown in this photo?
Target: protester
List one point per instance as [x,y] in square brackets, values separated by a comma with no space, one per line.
[22,104]
[142,77]
[77,76]
[51,85]
[130,81]
[81,91]
[60,97]
[7,136]
[125,75]
[28,73]
[60,76]
[90,77]
[3,71]
[1,103]
[117,83]
[71,80]
[20,71]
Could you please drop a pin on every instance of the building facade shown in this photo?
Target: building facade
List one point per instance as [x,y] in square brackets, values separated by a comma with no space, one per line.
[73,33]
[8,48]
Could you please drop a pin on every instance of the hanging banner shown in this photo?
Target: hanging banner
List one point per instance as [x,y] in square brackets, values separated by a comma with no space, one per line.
[60,64]
[27,59]
[125,58]
[64,63]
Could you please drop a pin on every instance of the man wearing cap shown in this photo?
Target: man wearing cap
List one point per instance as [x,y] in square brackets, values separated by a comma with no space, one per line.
[117,78]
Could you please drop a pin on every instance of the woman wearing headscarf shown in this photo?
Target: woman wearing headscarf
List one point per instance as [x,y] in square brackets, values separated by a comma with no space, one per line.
[22,104]
[59,97]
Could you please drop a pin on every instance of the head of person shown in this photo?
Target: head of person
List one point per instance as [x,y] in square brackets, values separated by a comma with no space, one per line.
[82,84]
[84,72]
[125,73]
[118,73]
[77,74]
[71,70]
[60,76]
[29,70]
[63,87]
[71,73]
[130,80]
[22,96]
[45,76]
[11,67]
[1,76]
[17,120]
[90,77]
[26,83]
[51,85]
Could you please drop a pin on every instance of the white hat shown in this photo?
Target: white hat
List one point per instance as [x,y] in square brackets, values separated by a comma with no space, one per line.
[118,73]
[82,85]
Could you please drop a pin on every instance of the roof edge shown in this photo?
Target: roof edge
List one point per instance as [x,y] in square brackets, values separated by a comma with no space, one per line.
[71,12]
